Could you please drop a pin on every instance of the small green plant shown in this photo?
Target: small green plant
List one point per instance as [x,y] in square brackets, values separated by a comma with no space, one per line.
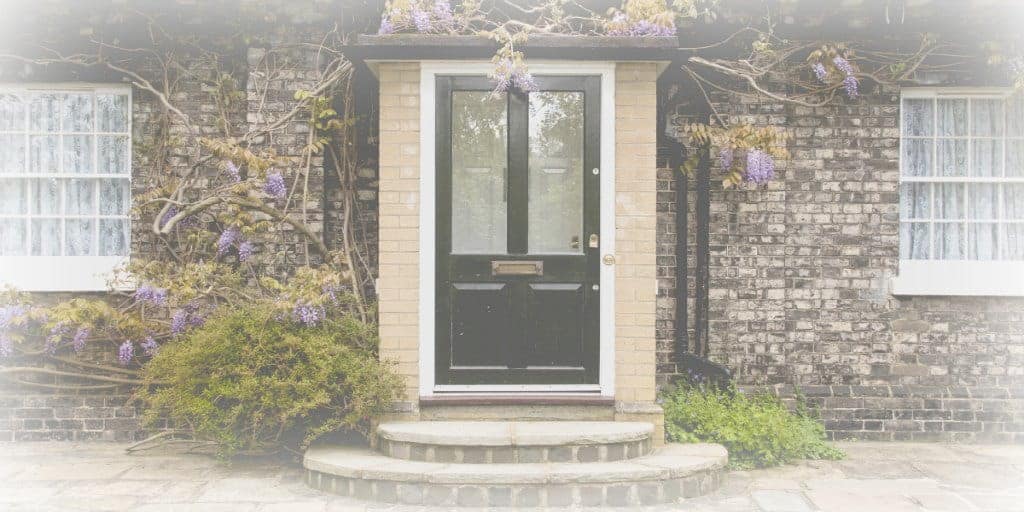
[253,381]
[757,429]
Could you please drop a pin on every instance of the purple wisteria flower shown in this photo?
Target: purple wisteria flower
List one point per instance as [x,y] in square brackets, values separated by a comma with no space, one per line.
[843,65]
[307,314]
[274,186]
[760,167]
[150,346]
[245,250]
[507,74]
[152,295]
[725,158]
[227,239]
[820,72]
[645,28]
[233,172]
[524,81]
[7,315]
[185,317]
[386,26]
[851,85]
[331,291]
[443,15]
[187,222]
[78,341]
[420,19]
[126,352]
[57,334]
[621,25]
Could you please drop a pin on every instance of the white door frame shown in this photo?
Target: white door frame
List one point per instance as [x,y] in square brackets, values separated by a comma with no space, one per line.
[427,231]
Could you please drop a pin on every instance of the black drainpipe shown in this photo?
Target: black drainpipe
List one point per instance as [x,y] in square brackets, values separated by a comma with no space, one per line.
[702,276]
[682,341]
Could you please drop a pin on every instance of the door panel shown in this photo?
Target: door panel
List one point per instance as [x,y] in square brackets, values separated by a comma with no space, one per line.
[517,222]
[481,321]
[554,325]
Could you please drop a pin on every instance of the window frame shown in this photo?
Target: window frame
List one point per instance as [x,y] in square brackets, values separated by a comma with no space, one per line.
[962,277]
[66,273]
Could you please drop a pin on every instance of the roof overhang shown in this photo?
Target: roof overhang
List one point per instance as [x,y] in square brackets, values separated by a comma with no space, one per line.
[372,49]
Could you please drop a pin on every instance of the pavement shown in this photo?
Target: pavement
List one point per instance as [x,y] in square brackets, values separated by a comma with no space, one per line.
[874,477]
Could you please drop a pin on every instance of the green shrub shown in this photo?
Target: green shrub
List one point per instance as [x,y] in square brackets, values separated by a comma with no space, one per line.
[757,429]
[252,381]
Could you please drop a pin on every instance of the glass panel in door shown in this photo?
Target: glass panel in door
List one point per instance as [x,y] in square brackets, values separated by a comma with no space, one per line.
[479,176]
[556,172]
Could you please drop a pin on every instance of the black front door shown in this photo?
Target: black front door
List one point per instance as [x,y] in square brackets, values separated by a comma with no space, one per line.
[518,218]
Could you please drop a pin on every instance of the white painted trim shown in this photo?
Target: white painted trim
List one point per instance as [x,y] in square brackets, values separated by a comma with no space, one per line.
[956,278]
[510,388]
[59,273]
[427,232]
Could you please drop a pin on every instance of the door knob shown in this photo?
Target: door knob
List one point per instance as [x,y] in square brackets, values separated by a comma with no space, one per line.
[608,259]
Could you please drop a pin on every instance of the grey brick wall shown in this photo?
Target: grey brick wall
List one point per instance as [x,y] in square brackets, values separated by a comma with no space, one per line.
[799,291]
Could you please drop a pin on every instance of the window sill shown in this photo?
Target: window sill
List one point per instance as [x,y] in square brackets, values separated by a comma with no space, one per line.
[960,278]
[58,273]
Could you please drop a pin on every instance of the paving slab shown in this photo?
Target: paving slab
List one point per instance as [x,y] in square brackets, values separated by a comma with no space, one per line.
[100,476]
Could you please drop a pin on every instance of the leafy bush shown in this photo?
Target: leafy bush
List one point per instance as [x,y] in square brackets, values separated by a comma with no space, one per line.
[757,429]
[253,381]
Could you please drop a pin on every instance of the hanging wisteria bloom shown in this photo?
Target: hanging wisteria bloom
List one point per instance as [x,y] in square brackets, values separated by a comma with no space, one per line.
[443,16]
[81,335]
[7,316]
[150,346]
[820,72]
[420,19]
[187,222]
[509,73]
[760,167]
[386,26]
[245,250]
[233,172]
[152,295]
[188,316]
[307,314]
[57,334]
[850,84]
[126,352]
[622,25]
[274,186]
[725,158]
[843,65]
[227,239]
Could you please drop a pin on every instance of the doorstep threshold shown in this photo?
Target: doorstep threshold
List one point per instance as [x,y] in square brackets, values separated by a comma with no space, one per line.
[516,398]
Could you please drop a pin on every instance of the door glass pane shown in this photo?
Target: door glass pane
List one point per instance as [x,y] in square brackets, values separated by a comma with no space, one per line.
[556,173]
[479,177]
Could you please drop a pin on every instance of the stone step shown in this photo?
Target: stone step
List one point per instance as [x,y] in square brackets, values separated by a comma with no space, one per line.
[670,474]
[480,442]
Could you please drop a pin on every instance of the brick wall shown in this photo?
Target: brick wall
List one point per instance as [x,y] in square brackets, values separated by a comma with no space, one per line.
[799,289]
[32,417]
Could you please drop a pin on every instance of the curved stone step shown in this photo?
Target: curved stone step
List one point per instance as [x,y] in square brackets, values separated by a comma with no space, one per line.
[514,441]
[671,473]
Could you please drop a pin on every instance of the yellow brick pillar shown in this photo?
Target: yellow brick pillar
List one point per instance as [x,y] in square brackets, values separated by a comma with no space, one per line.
[398,285]
[635,228]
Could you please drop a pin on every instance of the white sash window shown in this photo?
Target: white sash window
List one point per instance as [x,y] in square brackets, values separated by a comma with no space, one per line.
[65,185]
[961,192]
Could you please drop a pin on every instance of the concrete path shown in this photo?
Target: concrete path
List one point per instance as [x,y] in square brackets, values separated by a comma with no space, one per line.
[875,477]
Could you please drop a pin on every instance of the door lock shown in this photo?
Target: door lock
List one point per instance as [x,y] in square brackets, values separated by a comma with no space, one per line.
[593,242]
[608,259]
